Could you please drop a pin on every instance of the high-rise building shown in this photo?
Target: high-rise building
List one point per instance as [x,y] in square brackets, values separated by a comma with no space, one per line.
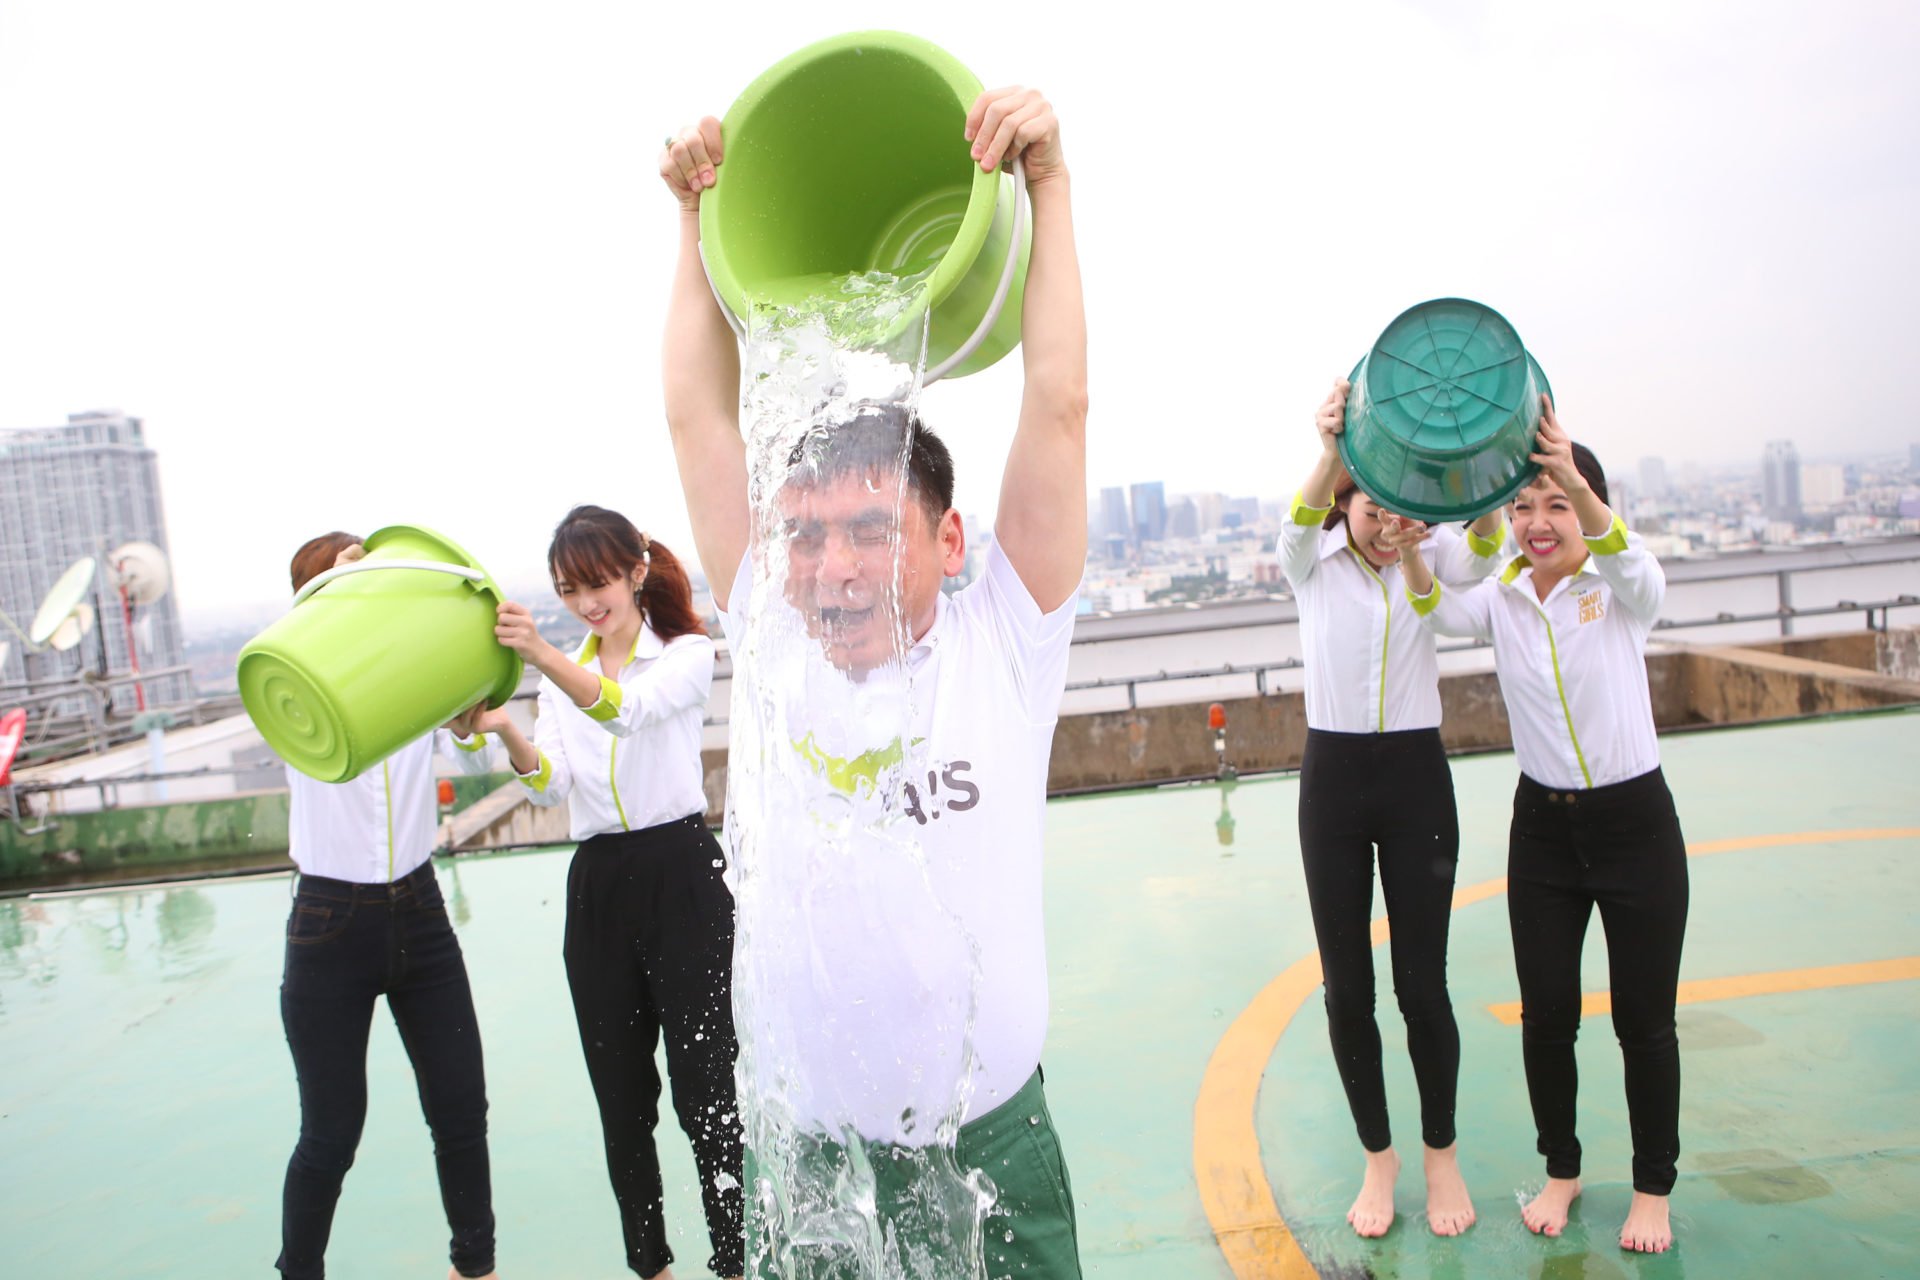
[1822,485]
[1653,478]
[1183,519]
[1113,514]
[81,490]
[1149,511]
[1780,481]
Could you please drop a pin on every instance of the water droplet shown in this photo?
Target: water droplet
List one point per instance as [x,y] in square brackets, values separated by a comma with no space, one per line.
[1009,1237]
[1033,1120]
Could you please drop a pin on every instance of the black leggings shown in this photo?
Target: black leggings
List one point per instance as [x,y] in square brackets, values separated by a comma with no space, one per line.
[1359,791]
[649,947]
[1618,847]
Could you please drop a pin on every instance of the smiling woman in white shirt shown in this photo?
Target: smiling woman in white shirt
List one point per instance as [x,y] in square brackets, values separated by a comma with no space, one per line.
[1593,821]
[649,938]
[1374,774]
[367,921]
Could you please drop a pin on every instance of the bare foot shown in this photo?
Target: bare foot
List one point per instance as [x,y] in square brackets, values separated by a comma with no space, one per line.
[1372,1211]
[1647,1229]
[1546,1213]
[1449,1207]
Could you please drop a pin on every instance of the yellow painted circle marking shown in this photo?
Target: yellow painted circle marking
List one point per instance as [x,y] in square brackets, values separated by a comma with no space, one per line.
[1234,1191]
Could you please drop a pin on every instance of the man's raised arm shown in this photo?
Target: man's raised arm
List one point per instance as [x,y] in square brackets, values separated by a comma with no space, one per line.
[701,375]
[1041,523]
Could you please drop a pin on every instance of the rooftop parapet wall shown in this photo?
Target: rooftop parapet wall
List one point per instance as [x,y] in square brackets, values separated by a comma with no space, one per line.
[1691,687]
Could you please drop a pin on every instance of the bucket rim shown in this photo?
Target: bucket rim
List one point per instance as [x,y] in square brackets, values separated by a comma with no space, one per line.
[975,224]
[452,551]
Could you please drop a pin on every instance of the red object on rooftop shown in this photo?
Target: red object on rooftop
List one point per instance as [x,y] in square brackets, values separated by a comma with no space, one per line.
[1216,716]
[13,728]
[446,792]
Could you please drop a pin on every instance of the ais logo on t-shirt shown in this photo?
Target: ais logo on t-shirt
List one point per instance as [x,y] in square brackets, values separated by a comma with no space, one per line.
[947,785]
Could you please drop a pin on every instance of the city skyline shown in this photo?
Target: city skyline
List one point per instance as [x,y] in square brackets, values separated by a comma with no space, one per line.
[437,299]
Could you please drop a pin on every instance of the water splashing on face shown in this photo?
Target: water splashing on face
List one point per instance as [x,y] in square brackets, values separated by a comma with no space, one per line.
[854,986]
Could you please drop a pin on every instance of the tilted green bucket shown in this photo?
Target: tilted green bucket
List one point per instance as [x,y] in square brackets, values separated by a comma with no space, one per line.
[1441,419]
[851,156]
[376,653]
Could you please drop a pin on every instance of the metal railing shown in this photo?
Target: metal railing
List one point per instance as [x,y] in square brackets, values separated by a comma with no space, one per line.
[96,729]
[1876,620]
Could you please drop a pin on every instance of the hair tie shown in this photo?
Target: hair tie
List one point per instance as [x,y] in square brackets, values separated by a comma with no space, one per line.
[646,550]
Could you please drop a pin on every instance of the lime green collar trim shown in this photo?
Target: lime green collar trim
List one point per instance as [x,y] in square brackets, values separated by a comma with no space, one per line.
[591,649]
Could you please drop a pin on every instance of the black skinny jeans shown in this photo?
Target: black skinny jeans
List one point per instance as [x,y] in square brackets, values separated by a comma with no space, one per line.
[347,945]
[1391,791]
[1618,847]
[649,947]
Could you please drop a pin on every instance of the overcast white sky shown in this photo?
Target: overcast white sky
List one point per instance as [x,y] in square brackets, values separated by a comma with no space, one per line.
[363,263]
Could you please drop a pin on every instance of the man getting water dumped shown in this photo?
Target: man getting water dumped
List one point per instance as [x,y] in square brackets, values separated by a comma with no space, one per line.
[889,759]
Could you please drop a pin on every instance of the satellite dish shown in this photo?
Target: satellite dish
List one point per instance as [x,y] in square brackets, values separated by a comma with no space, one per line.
[62,603]
[140,570]
[75,625]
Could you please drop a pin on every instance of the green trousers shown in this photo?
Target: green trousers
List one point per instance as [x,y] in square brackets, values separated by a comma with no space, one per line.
[925,1202]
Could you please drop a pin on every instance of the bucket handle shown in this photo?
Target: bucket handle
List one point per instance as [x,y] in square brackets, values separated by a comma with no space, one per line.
[361,566]
[967,348]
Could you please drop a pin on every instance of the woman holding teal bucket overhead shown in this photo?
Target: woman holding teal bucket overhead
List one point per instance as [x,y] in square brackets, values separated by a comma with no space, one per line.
[1375,775]
[366,893]
[1594,824]
[649,936]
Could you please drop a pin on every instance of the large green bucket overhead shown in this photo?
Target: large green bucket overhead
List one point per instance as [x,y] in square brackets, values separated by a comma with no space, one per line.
[1441,419]
[851,156]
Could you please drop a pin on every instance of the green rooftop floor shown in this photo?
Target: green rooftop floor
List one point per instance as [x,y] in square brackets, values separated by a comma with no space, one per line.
[147,1104]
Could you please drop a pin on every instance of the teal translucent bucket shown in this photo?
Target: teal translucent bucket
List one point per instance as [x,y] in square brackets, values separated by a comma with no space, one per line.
[1441,419]
[376,653]
[851,156]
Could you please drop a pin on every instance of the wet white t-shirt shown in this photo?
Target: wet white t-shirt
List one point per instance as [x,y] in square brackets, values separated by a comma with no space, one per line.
[888,833]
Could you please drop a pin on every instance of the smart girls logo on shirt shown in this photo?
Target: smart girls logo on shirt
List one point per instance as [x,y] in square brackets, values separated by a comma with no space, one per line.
[1592,607]
[948,788]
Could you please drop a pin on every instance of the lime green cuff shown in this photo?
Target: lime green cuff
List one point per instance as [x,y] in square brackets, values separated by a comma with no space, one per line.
[478,742]
[609,705]
[539,781]
[1426,604]
[1487,548]
[1612,542]
[1303,514]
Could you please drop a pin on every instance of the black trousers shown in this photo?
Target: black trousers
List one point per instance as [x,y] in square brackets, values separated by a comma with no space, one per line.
[649,948]
[1392,792]
[347,945]
[1617,847]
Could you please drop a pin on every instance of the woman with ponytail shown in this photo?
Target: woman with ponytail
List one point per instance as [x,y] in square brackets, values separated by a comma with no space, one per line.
[649,935]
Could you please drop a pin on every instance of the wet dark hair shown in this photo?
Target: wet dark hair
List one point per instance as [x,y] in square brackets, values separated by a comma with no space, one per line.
[1590,470]
[873,441]
[594,546]
[316,556]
